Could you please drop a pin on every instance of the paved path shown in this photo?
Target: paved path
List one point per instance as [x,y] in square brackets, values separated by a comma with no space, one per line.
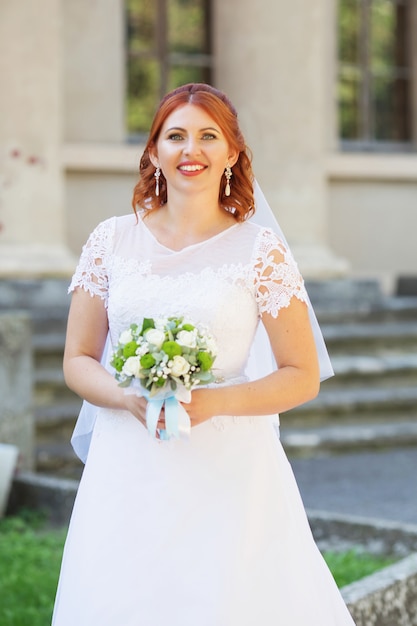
[380,485]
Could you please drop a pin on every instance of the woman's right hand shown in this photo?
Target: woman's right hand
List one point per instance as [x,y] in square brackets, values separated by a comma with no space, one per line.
[137,406]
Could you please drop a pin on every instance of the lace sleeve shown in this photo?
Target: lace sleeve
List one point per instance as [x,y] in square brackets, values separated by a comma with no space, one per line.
[92,269]
[277,277]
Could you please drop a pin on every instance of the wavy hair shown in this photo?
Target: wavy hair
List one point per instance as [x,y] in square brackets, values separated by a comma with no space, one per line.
[241,202]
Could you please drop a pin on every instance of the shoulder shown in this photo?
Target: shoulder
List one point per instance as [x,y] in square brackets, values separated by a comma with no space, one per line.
[266,243]
[111,227]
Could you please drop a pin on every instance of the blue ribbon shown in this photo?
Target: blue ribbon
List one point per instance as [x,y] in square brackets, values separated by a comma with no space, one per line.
[177,420]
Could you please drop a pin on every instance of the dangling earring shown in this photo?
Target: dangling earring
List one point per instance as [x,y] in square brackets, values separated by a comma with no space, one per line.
[157,175]
[228,173]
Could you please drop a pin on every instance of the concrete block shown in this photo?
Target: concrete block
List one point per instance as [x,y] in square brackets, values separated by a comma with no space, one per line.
[8,461]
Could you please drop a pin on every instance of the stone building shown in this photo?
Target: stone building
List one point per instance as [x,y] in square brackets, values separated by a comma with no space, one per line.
[66,162]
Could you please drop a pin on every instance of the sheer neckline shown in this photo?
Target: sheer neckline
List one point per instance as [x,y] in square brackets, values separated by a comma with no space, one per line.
[190,246]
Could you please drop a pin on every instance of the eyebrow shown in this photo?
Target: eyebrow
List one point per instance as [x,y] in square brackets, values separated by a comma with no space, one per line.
[183,130]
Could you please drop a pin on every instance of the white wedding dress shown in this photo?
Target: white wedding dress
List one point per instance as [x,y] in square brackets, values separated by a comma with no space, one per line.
[209,531]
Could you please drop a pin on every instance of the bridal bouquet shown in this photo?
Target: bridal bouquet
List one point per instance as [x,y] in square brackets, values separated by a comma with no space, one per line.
[168,358]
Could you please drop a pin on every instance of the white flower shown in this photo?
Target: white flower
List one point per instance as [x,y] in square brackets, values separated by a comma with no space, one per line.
[211,344]
[126,336]
[160,323]
[132,366]
[180,366]
[142,349]
[187,338]
[155,337]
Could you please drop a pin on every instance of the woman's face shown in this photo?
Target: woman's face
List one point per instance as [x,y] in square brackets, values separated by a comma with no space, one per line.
[192,151]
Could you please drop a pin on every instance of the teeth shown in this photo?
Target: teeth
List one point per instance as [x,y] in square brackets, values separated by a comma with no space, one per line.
[191,168]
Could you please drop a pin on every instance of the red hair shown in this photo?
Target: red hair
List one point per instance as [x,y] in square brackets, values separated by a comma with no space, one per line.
[241,201]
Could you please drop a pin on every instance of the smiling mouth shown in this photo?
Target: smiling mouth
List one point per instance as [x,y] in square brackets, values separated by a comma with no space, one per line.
[191,168]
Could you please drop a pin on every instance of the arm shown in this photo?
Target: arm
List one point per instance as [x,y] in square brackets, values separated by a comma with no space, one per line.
[86,335]
[281,298]
[294,382]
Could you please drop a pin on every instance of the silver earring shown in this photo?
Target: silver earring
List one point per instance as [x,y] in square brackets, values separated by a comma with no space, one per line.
[228,173]
[157,175]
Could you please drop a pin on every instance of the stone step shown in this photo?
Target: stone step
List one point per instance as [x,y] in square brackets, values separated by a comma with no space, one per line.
[55,418]
[50,387]
[58,459]
[371,403]
[380,369]
[304,442]
[353,338]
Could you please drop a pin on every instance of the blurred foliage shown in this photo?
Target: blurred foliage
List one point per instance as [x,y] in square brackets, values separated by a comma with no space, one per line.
[354,564]
[30,557]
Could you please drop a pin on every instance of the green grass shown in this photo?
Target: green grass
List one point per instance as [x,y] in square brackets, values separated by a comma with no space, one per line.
[353,564]
[30,556]
[30,559]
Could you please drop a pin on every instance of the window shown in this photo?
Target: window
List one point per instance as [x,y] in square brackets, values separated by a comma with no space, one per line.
[168,44]
[374,82]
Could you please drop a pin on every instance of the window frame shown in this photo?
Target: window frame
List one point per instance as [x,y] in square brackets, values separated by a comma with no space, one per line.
[366,112]
[166,59]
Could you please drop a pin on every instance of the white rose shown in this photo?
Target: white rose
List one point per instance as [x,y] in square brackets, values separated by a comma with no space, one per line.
[187,338]
[155,337]
[180,366]
[126,336]
[132,366]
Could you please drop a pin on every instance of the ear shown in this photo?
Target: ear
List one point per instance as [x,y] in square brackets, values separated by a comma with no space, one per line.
[153,157]
[233,157]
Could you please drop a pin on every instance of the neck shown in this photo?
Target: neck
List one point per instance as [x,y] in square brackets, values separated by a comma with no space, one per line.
[195,212]
[187,219]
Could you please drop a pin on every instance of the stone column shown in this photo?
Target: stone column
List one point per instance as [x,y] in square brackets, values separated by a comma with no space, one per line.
[94,71]
[16,418]
[275,60]
[32,217]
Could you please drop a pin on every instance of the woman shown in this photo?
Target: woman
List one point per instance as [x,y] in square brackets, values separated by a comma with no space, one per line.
[209,531]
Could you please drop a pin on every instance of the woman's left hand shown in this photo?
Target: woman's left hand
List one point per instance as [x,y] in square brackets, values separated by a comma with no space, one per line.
[204,404]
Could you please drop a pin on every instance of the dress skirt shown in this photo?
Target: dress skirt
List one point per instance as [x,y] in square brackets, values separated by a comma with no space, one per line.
[205,532]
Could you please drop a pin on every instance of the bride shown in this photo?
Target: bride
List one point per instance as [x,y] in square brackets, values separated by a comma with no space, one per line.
[207,530]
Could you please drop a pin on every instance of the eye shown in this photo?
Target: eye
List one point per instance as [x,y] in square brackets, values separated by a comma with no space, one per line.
[209,136]
[175,137]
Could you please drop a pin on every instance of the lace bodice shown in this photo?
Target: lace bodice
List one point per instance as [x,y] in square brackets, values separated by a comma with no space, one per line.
[226,282]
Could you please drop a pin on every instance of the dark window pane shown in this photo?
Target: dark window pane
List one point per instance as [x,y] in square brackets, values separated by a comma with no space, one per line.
[143,95]
[384,35]
[391,109]
[186,26]
[141,22]
[168,43]
[349,96]
[182,75]
[349,29]
[374,89]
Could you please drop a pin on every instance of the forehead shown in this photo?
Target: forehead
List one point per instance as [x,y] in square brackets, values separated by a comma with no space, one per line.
[189,116]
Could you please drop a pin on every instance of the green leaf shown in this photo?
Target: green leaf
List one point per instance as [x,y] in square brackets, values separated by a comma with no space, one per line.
[148,322]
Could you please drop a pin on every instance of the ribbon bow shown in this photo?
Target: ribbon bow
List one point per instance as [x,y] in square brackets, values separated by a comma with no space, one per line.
[177,420]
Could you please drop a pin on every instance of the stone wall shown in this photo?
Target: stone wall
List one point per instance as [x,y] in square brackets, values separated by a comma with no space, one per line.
[16,418]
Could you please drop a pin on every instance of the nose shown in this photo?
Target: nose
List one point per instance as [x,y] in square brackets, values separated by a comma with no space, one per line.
[191,146]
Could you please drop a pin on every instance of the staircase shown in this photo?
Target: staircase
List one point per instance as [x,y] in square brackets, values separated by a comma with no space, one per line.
[370,403]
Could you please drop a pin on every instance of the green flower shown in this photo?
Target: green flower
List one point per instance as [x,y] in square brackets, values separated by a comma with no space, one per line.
[130,349]
[147,361]
[205,360]
[171,349]
[188,327]
[117,363]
